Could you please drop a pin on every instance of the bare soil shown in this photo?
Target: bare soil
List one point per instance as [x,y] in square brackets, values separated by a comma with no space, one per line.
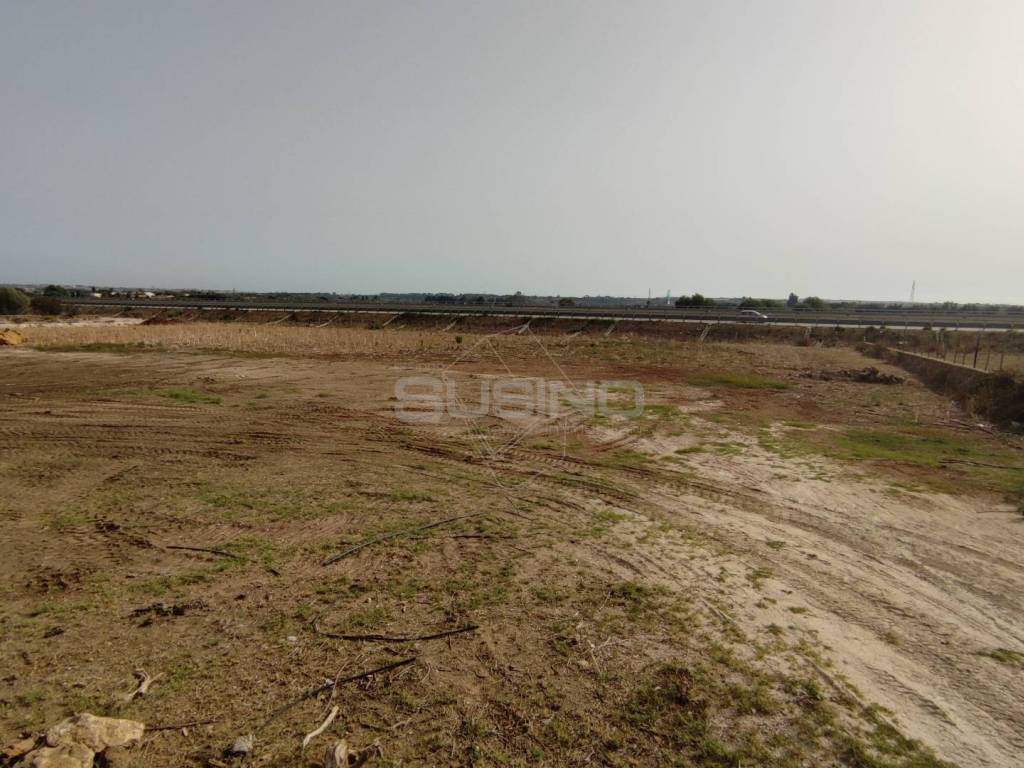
[765,568]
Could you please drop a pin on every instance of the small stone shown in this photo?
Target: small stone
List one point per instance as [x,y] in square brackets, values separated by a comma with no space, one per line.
[97,733]
[18,748]
[243,745]
[64,756]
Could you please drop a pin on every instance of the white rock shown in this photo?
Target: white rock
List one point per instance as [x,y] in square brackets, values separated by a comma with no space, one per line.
[243,745]
[64,756]
[96,733]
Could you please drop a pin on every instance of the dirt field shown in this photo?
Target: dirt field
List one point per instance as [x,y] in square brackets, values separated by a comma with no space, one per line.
[773,565]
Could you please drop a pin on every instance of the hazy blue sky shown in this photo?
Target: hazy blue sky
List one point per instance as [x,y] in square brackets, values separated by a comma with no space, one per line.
[836,148]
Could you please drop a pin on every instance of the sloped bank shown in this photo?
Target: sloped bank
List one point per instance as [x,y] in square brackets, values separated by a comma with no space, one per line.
[997,397]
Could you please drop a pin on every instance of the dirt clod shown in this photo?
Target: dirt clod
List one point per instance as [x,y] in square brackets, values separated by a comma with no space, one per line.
[10,338]
[869,375]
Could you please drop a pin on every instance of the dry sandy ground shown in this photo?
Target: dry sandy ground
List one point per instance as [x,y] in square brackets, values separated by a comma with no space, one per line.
[727,580]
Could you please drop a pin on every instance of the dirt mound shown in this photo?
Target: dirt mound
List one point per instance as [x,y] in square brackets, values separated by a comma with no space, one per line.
[9,338]
[869,375]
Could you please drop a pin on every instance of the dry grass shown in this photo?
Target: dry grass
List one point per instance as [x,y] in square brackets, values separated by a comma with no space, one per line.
[244,338]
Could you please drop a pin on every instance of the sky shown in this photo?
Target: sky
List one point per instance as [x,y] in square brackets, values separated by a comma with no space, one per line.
[826,147]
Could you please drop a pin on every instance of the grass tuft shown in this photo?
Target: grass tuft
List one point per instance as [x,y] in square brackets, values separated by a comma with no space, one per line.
[738,380]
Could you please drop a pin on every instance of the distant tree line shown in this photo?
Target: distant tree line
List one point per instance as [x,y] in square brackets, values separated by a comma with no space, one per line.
[16,302]
[696,300]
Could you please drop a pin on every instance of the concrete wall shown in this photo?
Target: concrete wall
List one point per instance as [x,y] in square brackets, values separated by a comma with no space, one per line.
[998,397]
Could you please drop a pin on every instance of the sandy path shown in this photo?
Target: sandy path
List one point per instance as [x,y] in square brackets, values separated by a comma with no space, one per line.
[906,590]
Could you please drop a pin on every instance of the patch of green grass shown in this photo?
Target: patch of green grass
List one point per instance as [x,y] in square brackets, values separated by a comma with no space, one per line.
[1006,656]
[405,588]
[661,410]
[628,458]
[602,522]
[179,394]
[477,587]
[30,697]
[409,496]
[370,617]
[66,521]
[253,548]
[757,576]
[726,448]
[158,586]
[333,586]
[635,598]
[187,395]
[545,593]
[963,459]
[738,380]
[690,449]
[922,447]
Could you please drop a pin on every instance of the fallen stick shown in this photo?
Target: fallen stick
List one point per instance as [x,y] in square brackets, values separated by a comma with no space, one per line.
[394,535]
[220,552]
[397,638]
[323,727]
[332,684]
[179,726]
[145,680]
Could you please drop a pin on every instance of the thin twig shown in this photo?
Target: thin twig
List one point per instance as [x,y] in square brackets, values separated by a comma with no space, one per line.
[394,535]
[323,727]
[145,680]
[332,684]
[179,726]
[397,638]
[220,552]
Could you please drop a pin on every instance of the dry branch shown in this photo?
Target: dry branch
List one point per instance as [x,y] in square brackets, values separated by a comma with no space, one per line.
[397,638]
[179,726]
[332,684]
[323,727]
[394,535]
[145,680]
[220,552]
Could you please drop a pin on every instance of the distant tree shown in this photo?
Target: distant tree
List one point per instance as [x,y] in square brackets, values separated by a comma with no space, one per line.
[55,290]
[566,302]
[47,305]
[749,303]
[793,300]
[813,302]
[696,300]
[770,303]
[517,299]
[12,301]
